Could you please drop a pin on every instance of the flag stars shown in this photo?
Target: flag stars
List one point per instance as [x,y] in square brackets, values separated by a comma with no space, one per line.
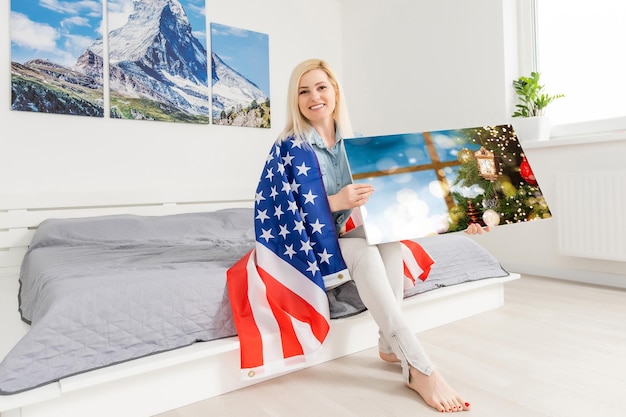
[283,224]
[299,226]
[289,251]
[305,246]
[287,159]
[297,143]
[325,256]
[267,235]
[262,215]
[317,226]
[309,197]
[294,186]
[303,214]
[313,268]
[303,169]
[278,211]
[284,231]
[293,207]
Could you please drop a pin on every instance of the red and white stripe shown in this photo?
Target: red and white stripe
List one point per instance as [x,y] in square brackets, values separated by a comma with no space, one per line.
[282,315]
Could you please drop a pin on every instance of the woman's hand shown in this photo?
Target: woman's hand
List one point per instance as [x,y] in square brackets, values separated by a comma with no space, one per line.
[476,229]
[350,196]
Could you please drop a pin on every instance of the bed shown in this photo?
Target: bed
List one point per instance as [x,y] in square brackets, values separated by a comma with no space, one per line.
[108,299]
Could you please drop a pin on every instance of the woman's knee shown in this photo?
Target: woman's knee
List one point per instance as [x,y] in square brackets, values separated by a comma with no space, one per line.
[357,252]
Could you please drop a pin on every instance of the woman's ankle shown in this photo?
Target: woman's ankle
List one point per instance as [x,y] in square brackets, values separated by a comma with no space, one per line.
[388,357]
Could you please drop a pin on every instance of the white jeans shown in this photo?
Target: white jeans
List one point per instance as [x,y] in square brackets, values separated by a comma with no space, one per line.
[378,274]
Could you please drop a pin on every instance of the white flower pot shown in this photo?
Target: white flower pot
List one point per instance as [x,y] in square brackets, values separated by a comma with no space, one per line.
[529,129]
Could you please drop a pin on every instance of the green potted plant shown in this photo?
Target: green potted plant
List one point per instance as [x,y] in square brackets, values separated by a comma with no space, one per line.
[530,121]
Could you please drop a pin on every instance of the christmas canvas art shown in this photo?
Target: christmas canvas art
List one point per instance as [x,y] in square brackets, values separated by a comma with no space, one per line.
[438,182]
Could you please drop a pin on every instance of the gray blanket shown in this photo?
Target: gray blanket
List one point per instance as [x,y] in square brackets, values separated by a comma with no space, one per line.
[458,259]
[105,290]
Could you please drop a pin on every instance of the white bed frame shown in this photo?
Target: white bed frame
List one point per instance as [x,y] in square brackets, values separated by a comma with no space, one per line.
[151,385]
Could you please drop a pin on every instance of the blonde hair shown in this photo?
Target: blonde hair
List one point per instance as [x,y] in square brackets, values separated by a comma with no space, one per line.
[297,125]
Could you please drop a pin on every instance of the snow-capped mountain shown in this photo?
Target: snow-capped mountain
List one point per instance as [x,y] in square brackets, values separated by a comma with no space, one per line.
[155,56]
[157,70]
[230,88]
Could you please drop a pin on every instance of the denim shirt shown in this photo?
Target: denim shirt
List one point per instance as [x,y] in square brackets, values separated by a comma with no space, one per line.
[335,171]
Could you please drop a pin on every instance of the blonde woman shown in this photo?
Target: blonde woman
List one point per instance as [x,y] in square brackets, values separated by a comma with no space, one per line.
[319,191]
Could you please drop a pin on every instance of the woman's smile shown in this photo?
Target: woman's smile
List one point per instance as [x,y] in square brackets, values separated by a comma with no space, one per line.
[316,97]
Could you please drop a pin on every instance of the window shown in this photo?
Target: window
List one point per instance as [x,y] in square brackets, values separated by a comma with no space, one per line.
[579,52]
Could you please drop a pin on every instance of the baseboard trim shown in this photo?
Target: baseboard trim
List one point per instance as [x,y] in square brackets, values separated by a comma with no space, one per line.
[578,275]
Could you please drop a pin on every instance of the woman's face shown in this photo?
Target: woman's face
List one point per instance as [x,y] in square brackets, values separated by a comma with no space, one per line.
[316,96]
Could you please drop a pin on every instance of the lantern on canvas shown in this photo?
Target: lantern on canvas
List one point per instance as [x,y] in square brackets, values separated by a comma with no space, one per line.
[486,164]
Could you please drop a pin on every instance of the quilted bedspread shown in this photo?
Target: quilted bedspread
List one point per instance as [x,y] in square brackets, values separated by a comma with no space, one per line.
[104,290]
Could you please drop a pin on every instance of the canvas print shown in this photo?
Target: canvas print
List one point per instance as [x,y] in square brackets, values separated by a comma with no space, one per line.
[157,60]
[240,77]
[52,68]
[438,182]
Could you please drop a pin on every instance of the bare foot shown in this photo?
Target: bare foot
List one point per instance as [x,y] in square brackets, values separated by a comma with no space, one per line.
[388,357]
[436,392]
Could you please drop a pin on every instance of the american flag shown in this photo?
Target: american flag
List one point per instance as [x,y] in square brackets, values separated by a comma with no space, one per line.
[277,292]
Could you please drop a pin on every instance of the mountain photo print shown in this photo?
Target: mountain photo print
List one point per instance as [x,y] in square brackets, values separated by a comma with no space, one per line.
[52,69]
[157,60]
[240,77]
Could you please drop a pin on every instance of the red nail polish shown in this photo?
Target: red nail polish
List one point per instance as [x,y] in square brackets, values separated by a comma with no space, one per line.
[467,404]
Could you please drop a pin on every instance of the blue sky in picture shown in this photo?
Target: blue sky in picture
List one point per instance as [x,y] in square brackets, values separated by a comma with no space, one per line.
[247,52]
[61,30]
[55,30]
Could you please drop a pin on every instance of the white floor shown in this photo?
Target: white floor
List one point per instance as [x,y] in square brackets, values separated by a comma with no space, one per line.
[555,349]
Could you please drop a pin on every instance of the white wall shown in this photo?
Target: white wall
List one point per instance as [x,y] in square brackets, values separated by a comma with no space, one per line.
[417,66]
[45,155]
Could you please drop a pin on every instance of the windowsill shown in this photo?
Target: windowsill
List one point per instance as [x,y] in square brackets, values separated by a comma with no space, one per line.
[586,139]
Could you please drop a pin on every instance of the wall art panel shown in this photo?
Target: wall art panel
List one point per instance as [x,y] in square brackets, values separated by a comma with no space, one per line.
[240,77]
[52,68]
[157,60]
